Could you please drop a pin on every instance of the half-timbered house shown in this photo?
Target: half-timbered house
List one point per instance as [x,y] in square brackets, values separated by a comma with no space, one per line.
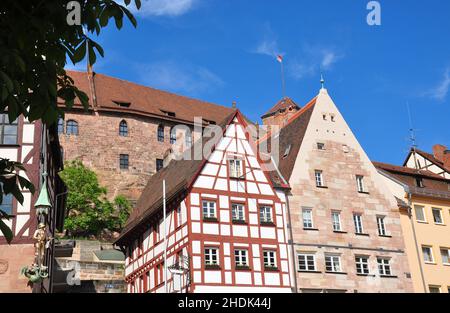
[226,222]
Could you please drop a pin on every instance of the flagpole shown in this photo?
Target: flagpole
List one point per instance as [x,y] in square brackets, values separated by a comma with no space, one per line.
[283,83]
[165,236]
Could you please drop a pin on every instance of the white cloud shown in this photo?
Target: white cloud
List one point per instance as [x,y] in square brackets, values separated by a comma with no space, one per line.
[269,47]
[312,60]
[440,92]
[328,59]
[164,7]
[171,76]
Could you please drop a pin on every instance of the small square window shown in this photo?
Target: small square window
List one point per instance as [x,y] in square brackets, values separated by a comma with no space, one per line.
[419,182]
[211,257]
[235,168]
[362,265]
[420,213]
[384,266]
[427,254]
[445,254]
[320,146]
[437,216]
[269,259]
[306,262]
[241,258]
[307,218]
[435,289]
[333,263]
[265,214]
[159,164]
[237,212]
[209,209]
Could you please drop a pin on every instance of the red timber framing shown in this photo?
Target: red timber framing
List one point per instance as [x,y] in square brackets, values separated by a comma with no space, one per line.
[253,189]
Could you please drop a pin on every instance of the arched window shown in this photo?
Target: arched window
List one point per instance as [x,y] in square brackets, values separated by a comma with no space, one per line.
[173,135]
[123,129]
[161,133]
[72,127]
[188,137]
[60,126]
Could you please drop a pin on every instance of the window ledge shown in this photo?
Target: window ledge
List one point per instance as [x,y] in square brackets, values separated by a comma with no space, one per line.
[385,236]
[388,276]
[340,232]
[213,267]
[439,224]
[362,234]
[322,187]
[271,269]
[312,272]
[210,220]
[364,192]
[243,268]
[310,229]
[365,275]
[239,222]
[430,263]
[271,224]
[337,273]
[11,145]
[422,222]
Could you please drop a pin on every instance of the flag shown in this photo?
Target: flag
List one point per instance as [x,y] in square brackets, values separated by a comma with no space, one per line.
[280,58]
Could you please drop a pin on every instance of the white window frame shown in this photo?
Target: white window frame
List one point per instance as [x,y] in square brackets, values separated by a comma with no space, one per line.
[360,183]
[306,257]
[434,287]
[337,225]
[335,263]
[440,216]
[384,266]
[308,222]
[211,212]
[358,222]
[363,262]
[236,167]
[318,174]
[210,254]
[430,248]
[265,214]
[237,212]
[381,225]
[270,259]
[422,208]
[442,255]
[241,258]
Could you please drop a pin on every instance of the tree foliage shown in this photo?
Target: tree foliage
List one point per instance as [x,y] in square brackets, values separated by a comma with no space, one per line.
[89,212]
[35,42]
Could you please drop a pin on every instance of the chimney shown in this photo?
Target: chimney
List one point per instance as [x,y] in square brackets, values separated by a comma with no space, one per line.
[446,159]
[439,151]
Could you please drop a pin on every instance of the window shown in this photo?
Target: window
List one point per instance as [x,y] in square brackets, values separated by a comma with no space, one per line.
[384,268]
[287,151]
[336,220]
[306,262]
[265,214]
[427,252]
[357,219]
[324,117]
[419,182]
[319,178]
[123,129]
[188,138]
[161,133]
[332,118]
[445,254]
[72,128]
[420,214]
[307,218]
[269,259]
[179,217]
[8,132]
[362,265]
[320,146]
[7,204]
[332,263]
[211,257]
[241,258]
[173,135]
[437,216]
[159,164]
[209,209]
[435,289]
[124,161]
[235,167]
[237,212]
[360,183]
[60,126]
[381,226]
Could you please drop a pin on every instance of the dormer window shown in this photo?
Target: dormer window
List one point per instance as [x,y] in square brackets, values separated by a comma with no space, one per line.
[286,152]
[419,182]
[123,104]
[168,113]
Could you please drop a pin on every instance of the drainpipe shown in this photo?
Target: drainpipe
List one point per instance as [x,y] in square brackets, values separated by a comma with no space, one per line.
[294,268]
[415,241]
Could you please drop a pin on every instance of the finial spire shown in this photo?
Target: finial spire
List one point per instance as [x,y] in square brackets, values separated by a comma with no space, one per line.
[322,81]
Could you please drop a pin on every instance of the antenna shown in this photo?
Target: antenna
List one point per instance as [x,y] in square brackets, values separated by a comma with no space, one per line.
[412,136]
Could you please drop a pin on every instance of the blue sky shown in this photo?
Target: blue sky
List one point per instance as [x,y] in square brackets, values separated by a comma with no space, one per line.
[223,51]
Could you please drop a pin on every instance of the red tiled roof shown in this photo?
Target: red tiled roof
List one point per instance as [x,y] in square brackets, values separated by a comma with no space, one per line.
[145,100]
[281,105]
[292,135]
[407,170]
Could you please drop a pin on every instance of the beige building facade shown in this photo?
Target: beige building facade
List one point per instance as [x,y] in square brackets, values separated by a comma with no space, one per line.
[344,222]
[425,220]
